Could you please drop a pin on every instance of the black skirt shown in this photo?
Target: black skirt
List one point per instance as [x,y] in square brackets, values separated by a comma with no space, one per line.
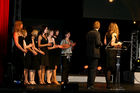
[111,59]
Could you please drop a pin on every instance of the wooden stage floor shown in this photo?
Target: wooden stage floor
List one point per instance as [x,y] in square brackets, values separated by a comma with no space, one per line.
[72,87]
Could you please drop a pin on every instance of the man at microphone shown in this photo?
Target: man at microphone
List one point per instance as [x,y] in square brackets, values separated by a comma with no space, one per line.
[111,41]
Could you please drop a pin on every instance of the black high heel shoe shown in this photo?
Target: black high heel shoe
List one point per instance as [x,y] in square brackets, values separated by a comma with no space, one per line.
[48,83]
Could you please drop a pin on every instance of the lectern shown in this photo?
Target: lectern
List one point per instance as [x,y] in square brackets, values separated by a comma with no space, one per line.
[117,79]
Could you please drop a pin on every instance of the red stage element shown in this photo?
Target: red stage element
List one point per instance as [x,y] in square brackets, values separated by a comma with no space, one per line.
[4,20]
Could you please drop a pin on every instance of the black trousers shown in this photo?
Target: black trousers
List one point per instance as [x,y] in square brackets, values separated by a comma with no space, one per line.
[92,66]
[65,69]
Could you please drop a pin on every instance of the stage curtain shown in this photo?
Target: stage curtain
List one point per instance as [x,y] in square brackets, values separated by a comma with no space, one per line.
[4,20]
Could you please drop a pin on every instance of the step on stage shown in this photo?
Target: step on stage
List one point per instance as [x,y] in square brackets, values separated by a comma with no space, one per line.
[77,84]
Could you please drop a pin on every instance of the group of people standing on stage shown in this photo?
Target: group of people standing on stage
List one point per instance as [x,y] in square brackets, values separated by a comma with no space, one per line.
[40,51]
[94,43]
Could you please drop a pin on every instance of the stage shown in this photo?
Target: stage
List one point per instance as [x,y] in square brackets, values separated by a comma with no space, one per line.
[77,84]
[72,87]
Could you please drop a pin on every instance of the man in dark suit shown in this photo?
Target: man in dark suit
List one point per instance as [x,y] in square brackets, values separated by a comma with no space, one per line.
[93,53]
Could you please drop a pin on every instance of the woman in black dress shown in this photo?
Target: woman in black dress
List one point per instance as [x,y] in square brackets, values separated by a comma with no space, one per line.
[18,51]
[27,56]
[51,56]
[35,65]
[111,41]
[57,55]
[43,45]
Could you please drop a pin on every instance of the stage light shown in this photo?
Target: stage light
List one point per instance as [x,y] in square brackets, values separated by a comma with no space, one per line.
[138,60]
[99,68]
[86,67]
[110,1]
[134,22]
[137,65]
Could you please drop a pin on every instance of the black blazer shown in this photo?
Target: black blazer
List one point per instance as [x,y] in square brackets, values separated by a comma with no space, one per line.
[93,40]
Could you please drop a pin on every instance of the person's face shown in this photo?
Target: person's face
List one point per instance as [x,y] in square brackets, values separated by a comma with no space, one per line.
[51,33]
[46,30]
[68,35]
[36,33]
[25,34]
[57,32]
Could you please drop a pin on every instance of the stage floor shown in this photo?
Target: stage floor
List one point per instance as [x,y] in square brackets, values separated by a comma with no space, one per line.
[72,87]
[77,84]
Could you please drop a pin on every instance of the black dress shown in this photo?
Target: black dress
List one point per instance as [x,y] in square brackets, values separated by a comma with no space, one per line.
[18,57]
[110,55]
[57,53]
[44,58]
[35,58]
[51,57]
[27,61]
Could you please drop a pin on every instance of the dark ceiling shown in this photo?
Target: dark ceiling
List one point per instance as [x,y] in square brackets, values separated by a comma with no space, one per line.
[51,8]
[119,9]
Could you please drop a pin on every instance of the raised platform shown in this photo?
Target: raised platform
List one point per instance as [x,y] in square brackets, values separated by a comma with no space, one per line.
[72,87]
[77,84]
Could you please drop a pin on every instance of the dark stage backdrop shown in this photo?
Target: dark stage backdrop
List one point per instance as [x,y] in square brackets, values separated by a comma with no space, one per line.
[119,9]
[68,15]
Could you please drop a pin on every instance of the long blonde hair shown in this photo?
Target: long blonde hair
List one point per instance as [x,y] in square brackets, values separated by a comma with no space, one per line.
[17,26]
[113,28]
[116,30]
